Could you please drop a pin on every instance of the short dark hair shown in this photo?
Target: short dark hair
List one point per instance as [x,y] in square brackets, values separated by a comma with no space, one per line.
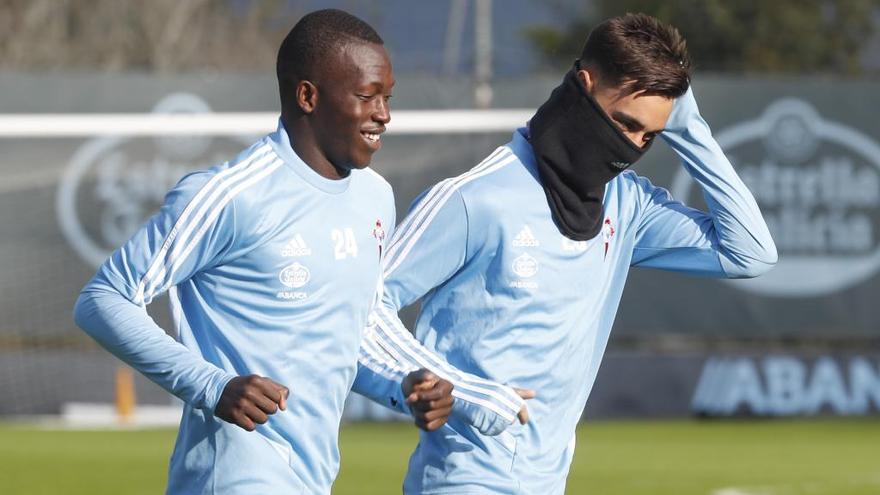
[638,52]
[313,41]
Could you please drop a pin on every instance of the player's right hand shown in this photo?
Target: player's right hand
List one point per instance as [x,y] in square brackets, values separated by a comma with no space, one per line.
[249,400]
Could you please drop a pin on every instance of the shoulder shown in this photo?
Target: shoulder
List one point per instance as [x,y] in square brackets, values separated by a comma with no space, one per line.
[254,159]
[498,176]
[628,180]
[372,187]
[374,193]
[375,181]
[477,189]
[635,194]
[216,187]
[633,184]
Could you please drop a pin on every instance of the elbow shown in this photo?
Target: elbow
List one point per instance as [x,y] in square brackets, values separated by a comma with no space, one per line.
[766,259]
[771,256]
[87,312]
[82,310]
[756,264]
[97,301]
[755,268]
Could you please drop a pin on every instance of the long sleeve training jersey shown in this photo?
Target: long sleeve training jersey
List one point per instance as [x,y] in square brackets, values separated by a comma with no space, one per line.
[271,270]
[506,296]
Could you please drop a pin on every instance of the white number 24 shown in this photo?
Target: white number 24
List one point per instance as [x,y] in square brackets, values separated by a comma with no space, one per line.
[344,243]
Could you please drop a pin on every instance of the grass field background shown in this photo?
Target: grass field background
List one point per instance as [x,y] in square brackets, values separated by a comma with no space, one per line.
[825,457]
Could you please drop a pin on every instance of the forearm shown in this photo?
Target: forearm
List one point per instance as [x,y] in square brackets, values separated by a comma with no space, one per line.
[745,247]
[126,330]
[494,398]
[380,375]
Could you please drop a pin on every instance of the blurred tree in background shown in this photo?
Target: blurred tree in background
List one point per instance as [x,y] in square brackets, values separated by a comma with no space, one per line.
[776,36]
[159,35]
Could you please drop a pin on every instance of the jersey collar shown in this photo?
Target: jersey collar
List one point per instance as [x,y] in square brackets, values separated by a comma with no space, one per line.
[280,142]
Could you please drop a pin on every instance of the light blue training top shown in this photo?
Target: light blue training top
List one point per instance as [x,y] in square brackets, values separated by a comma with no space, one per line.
[507,297]
[271,269]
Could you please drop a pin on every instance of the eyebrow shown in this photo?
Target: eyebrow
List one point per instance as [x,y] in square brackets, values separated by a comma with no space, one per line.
[379,85]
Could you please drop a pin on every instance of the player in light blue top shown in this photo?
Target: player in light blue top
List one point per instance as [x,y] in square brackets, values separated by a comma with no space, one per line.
[520,263]
[272,263]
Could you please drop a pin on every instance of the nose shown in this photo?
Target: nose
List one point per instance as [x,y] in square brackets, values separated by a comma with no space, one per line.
[638,138]
[382,112]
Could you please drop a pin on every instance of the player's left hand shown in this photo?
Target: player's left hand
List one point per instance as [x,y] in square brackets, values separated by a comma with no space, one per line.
[526,394]
[429,398]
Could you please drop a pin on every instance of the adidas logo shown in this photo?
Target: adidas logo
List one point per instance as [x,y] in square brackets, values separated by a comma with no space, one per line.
[525,238]
[296,247]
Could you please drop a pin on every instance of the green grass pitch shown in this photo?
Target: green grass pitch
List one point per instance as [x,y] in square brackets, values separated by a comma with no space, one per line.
[825,457]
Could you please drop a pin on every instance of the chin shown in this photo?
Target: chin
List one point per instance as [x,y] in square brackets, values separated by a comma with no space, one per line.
[361,162]
[346,166]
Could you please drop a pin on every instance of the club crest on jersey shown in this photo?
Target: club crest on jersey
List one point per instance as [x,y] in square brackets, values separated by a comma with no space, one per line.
[379,234]
[525,267]
[607,234]
[295,276]
[296,247]
[525,238]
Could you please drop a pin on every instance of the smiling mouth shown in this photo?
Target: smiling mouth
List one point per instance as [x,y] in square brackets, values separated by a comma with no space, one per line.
[372,137]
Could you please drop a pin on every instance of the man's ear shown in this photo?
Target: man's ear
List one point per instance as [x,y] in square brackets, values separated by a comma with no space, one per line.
[587,77]
[306,96]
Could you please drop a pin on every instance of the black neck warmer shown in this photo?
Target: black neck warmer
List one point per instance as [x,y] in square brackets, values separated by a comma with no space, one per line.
[578,150]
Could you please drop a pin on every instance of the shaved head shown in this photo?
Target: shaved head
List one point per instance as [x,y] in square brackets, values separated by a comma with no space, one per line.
[314,43]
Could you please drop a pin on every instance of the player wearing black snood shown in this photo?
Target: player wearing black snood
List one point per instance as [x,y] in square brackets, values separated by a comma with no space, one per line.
[520,263]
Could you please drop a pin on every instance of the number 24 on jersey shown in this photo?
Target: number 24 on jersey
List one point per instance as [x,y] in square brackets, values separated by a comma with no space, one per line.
[344,244]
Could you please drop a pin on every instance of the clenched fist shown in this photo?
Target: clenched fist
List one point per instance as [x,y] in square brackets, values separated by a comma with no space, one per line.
[429,398]
[249,400]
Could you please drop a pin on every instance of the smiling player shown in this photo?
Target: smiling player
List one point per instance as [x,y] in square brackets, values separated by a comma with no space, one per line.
[272,262]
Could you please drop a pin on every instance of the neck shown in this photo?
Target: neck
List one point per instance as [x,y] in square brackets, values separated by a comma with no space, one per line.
[302,140]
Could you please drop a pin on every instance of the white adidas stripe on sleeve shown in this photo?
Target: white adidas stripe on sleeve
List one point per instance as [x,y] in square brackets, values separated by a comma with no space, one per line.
[427,210]
[398,342]
[197,217]
[417,215]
